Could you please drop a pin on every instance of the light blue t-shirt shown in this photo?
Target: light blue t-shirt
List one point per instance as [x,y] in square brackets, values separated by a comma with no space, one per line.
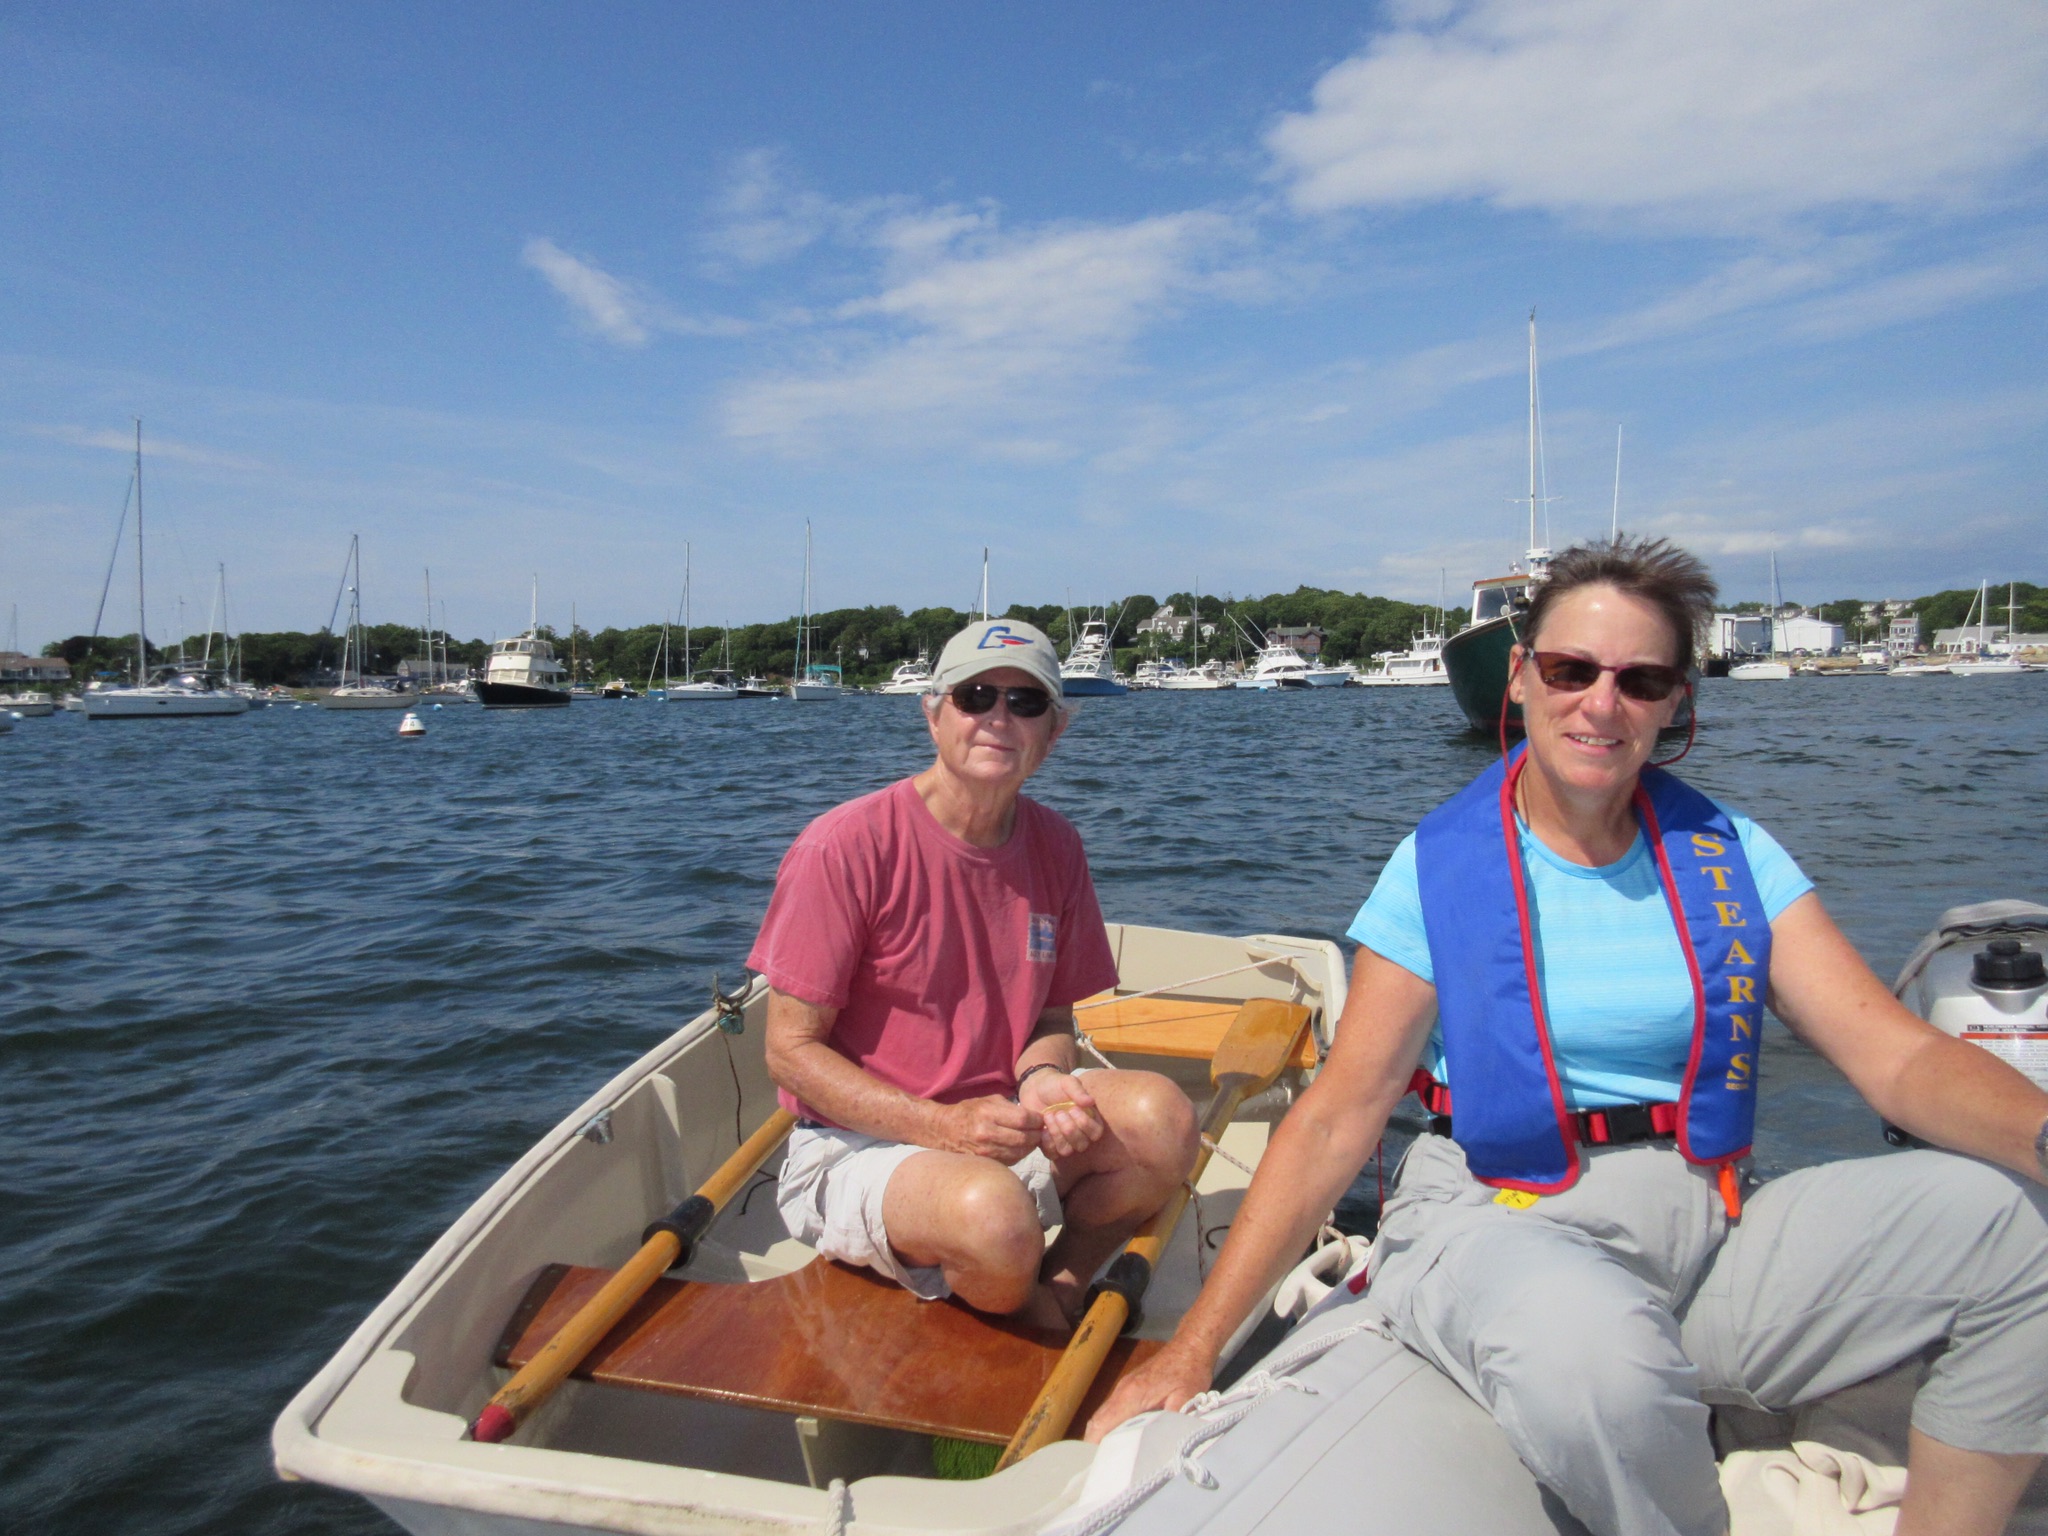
[1616,991]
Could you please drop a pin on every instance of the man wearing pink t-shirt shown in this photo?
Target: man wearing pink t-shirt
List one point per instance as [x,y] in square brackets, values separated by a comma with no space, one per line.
[924,949]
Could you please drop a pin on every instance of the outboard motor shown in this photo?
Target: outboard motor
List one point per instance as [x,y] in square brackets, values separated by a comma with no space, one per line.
[1982,976]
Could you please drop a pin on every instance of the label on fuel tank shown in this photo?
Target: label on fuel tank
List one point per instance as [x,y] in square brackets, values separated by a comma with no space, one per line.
[2024,1049]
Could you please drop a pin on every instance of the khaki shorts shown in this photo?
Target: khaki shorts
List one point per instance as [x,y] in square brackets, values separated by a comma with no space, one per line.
[830,1196]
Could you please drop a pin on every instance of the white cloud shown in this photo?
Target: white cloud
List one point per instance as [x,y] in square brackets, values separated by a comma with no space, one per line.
[623,313]
[1709,114]
[600,301]
[764,217]
[152,447]
[977,329]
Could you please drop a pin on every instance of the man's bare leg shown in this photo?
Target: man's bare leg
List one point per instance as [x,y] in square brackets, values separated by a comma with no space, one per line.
[1110,1187]
[971,1218]
[1953,1492]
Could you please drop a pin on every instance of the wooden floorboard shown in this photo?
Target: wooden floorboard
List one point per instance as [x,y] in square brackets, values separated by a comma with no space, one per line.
[829,1340]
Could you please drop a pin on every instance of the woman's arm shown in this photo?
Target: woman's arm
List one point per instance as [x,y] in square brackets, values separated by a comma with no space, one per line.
[1315,1152]
[1938,1088]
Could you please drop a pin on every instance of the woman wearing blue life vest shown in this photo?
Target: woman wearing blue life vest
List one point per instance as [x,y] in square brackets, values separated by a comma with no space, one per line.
[1575,951]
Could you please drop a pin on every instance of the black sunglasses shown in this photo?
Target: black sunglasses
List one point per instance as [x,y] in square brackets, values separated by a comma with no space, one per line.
[1646,682]
[980,698]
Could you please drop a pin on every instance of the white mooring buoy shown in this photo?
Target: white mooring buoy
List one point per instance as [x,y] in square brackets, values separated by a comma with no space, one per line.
[412,725]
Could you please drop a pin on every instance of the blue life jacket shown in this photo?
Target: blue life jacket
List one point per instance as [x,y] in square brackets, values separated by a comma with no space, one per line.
[1510,1117]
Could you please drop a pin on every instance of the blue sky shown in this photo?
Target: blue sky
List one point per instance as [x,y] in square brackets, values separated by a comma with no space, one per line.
[1137,296]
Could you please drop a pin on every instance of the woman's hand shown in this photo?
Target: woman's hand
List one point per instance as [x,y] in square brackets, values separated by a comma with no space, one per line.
[1168,1379]
[1072,1123]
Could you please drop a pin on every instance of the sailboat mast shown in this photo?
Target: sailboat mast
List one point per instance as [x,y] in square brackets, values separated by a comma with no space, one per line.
[803,630]
[1532,429]
[141,618]
[1614,519]
[984,583]
[688,672]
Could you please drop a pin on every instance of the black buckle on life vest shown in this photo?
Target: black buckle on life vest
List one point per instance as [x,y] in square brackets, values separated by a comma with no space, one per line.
[1619,1125]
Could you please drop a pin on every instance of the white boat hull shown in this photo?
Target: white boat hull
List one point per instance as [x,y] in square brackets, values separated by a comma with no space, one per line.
[34,707]
[367,698]
[701,693]
[159,704]
[816,691]
[1331,677]
[1760,671]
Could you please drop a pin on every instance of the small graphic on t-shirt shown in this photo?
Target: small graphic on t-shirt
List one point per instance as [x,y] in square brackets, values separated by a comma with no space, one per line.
[1041,938]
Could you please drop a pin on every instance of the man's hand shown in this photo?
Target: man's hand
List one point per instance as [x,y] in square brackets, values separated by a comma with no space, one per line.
[1167,1380]
[1071,1120]
[988,1127]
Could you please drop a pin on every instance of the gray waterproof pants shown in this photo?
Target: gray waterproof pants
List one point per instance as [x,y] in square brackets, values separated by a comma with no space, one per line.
[1596,1325]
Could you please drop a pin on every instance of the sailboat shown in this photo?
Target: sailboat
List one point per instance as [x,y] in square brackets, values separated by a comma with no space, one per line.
[1196,677]
[1776,669]
[169,691]
[1476,657]
[445,687]
[523,672]
[355,690]
[718,686]
[1994,658]
[813,679]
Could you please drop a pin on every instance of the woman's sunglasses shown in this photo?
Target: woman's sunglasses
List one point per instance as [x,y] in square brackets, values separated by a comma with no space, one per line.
[1643,681]
[980,698]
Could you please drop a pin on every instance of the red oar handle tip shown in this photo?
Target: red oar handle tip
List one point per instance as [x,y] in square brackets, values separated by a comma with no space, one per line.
[492,1425]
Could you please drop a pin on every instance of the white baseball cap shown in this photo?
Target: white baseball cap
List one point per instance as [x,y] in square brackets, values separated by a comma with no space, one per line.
[987,644]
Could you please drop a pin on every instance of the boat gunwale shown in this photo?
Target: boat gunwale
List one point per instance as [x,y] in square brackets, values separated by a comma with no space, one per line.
[383,1465]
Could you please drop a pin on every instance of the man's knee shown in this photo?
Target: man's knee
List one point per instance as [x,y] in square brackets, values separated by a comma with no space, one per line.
[995,1223]
[1156,1124]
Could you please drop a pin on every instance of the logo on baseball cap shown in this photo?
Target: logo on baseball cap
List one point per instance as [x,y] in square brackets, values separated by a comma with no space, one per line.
[987,644]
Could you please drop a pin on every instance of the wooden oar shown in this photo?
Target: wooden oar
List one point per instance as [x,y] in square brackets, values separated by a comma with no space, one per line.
[665,1244]
[1255,1050]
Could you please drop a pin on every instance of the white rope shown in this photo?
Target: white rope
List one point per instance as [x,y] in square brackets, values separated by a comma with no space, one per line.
[1239,1164]
[1239,1401]
[840,1515]
[1192,981]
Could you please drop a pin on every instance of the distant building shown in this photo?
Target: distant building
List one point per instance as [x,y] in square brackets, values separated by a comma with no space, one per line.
[1903,638]
[1164,621]
[1806,635]
[1967,639]
[19,667]
[1305,638]
[1738,634]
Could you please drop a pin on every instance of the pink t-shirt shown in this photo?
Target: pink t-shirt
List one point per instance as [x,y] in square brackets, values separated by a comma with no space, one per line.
[938,955]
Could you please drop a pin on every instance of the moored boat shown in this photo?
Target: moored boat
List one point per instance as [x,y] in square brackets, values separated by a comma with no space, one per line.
[1090,668]
[910,676]
[1420,666]
[754,1450]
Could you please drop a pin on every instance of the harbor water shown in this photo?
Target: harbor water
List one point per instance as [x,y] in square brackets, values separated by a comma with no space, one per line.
[284,993]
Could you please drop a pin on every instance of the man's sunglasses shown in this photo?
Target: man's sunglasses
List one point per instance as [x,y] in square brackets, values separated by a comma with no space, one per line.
[980,698]
[1643,681]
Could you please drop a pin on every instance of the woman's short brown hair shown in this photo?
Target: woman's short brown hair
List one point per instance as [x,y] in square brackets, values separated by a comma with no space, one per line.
[1670,579]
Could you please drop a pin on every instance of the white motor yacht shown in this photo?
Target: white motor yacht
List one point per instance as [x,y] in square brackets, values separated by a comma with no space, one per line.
[30,706]
[1278,666]
[1090,668]
[1322,674]
[1421,665]
[910,676]
[1207,678]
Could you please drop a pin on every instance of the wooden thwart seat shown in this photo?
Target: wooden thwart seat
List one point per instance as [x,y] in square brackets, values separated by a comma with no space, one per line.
[1186,1027]
[829,1340]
